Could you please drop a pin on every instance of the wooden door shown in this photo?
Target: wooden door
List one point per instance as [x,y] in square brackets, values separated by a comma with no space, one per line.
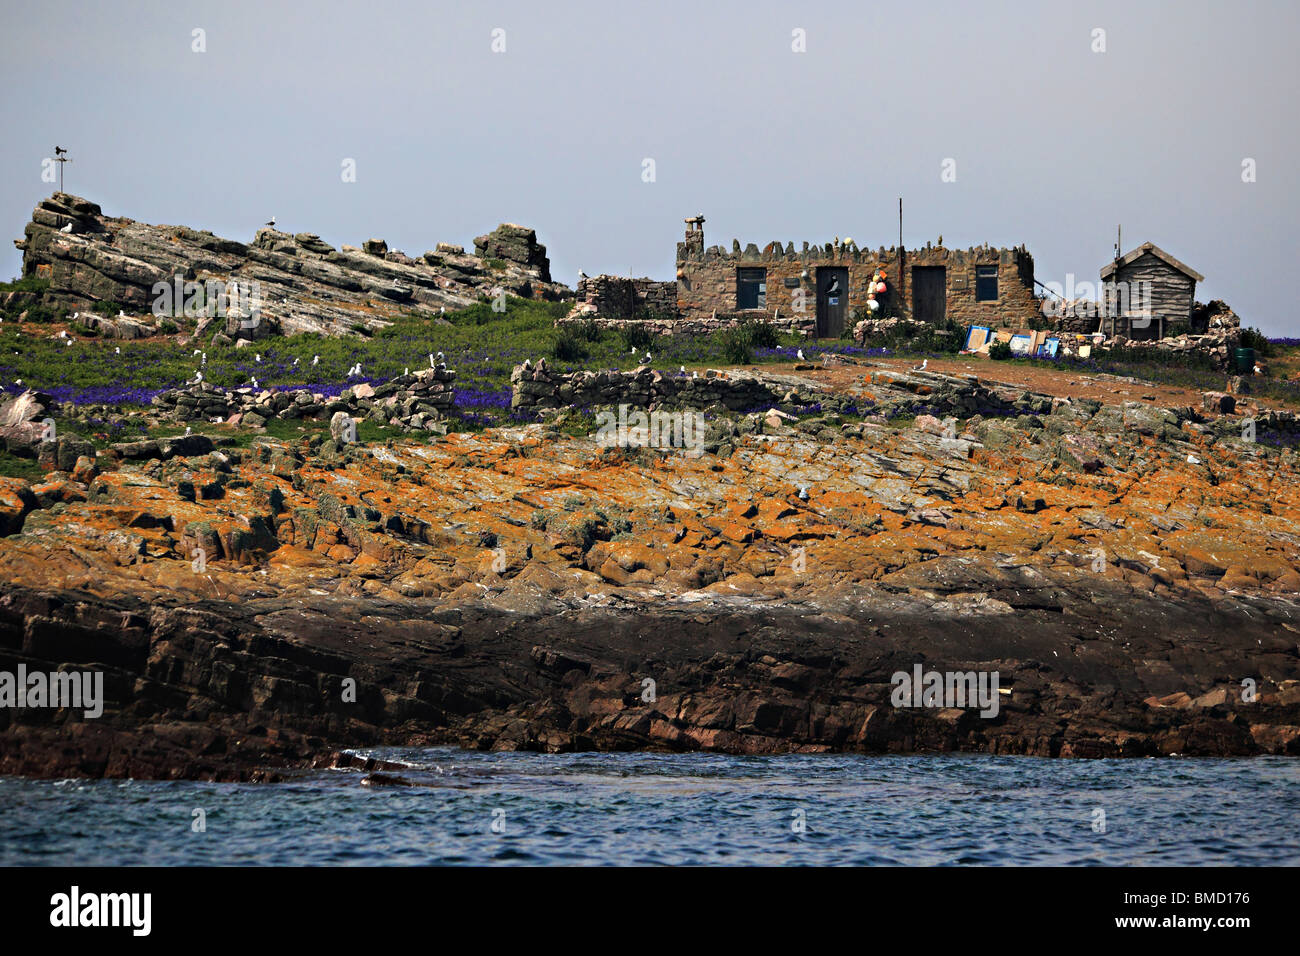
[929,293]
[832,300]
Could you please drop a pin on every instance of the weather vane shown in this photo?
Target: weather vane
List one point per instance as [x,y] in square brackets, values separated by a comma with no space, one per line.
[61,157]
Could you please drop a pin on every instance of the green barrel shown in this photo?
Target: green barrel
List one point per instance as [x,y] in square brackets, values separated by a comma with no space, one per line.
[1245,361]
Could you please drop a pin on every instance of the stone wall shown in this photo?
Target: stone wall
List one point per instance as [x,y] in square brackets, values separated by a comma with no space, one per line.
[707,278]
[413,402]
[618,297]
[538,387]
[703,325]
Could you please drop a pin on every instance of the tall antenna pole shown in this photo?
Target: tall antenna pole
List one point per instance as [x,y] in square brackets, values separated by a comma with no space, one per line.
[60,160]
[902,258]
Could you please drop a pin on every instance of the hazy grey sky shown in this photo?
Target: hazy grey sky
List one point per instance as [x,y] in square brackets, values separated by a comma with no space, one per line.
[1054,144]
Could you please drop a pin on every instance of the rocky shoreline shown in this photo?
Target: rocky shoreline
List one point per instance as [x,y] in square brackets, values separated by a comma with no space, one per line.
[251,690]
[1128,571]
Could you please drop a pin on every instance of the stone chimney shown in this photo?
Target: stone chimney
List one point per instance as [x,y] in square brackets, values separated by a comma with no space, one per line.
[695,236]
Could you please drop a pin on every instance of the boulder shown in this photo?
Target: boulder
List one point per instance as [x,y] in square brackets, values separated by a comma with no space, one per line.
[1219,402]
[515,243]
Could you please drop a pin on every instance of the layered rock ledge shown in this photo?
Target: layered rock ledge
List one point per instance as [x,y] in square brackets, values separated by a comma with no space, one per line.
[306,285]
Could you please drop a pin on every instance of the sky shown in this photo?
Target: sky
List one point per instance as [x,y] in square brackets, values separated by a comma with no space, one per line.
[1057,134]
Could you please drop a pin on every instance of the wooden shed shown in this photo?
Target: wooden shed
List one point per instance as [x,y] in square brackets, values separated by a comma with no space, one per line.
[1152,293]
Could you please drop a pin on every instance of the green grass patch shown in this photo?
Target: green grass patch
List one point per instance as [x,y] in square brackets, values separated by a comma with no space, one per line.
[12,466]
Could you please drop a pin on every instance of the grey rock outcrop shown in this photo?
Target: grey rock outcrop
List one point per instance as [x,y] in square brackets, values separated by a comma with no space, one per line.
[305,284]
[515,244]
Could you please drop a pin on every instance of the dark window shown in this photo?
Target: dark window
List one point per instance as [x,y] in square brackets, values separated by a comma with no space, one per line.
[751,288]
[986,283]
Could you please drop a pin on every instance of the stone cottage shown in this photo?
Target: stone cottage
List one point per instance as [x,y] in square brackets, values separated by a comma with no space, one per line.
[1149,294]
[829,286]
[820,290]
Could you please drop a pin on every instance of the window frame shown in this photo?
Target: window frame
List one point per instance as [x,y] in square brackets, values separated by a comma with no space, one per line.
[743,284]
[990,274]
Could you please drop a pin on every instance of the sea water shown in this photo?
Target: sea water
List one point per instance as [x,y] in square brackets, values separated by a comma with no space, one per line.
[461,807]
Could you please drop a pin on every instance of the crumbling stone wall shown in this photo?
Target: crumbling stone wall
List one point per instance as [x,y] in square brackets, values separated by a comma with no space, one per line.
[537,387]
[415,401]
[618,297]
